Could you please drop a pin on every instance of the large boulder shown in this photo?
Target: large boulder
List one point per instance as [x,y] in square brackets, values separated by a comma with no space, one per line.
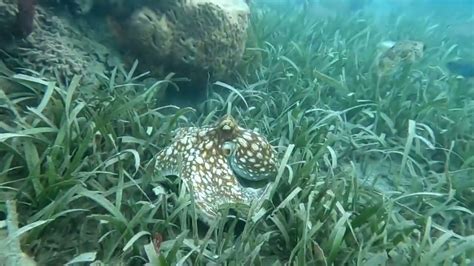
[190,37]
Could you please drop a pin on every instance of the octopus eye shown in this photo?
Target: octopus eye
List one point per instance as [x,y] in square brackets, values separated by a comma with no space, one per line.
[228,148]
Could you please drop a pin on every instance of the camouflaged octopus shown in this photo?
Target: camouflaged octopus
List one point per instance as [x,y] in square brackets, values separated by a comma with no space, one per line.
[398,54]
[217,164]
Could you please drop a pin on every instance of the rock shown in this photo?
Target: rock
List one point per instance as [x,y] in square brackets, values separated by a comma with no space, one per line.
[193,38]
[190,37]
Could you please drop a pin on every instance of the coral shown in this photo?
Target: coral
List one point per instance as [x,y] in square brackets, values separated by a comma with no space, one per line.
[190,37]
[56,48]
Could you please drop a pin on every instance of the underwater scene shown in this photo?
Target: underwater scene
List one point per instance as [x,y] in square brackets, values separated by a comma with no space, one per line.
[237,132]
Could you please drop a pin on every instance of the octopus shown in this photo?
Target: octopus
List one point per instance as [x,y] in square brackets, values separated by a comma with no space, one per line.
[399,54]
[218,164]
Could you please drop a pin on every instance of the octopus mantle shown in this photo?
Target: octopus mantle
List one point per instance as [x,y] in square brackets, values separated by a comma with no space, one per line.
[215,161]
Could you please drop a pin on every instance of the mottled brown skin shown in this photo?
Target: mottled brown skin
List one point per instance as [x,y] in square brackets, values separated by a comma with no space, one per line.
[200,156]
[403,52]
[25,18]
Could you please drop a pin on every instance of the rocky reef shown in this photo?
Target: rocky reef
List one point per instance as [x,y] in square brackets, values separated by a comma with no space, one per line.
[192,38]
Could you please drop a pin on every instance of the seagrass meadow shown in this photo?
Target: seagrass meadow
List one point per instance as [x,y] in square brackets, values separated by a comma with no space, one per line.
[373,170]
